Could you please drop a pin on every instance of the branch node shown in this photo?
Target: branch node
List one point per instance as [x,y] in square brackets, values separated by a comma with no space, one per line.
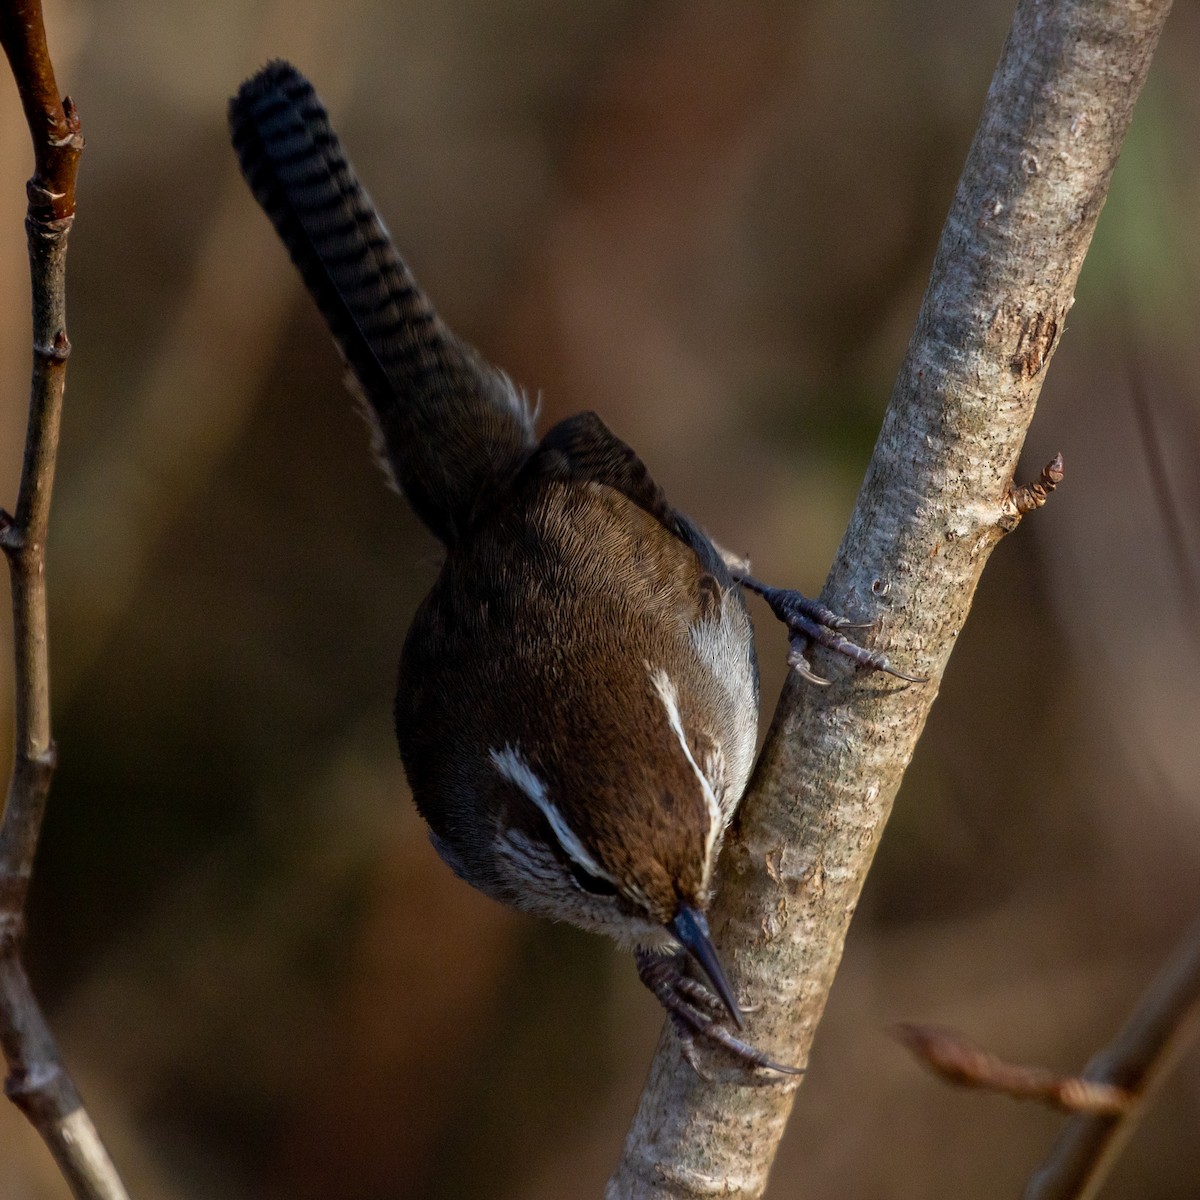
[43,763]
[57,352]
[26,1081]
[1029,496]
[41,1090]
[11,536]
[72,115]
[46,228]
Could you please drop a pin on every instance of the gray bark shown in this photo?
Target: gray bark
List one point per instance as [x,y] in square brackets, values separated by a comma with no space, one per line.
[935,502]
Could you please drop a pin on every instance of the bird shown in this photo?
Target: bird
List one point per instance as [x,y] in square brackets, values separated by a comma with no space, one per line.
[577,699]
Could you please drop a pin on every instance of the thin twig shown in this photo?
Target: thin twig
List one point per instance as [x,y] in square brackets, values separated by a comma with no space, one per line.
[53,123]
[37,1080]
[1139,1056]
[958,1060]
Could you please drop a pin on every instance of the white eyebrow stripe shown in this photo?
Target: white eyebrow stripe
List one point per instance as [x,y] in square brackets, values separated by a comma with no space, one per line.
[665,689]
[509,763]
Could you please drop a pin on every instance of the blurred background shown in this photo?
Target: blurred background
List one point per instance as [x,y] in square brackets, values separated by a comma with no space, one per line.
[713,224]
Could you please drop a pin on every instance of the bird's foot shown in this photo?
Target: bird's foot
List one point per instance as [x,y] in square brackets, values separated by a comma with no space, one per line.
[809,621]
[697,1013]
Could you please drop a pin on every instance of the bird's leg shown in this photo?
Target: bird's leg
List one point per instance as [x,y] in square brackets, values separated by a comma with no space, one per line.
[810,621]
[696,1013]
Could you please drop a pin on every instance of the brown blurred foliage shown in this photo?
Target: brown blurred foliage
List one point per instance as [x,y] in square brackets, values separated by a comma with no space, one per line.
[712,224]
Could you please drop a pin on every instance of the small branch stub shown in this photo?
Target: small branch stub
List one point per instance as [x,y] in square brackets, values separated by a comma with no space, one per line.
[57,351]
[1029,496]
[959,1061]
[10,535]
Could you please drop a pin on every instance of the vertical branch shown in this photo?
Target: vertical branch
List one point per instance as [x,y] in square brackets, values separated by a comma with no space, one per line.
[37,1080]
[936,500]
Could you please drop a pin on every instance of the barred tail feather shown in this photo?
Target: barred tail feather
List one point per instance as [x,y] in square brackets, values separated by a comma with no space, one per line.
[452,428]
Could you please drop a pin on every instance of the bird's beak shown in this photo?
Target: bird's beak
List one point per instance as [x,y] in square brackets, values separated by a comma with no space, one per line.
[691,929]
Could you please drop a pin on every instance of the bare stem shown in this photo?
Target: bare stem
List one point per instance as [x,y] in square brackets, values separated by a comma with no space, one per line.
[958,1060]
[931,510]
[37,1080]
[1137,1059]
[52,122]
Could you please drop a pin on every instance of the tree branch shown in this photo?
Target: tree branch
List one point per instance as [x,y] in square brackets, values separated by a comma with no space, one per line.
[37,1081]
[947,1053]
[931,510]
[1137,1059]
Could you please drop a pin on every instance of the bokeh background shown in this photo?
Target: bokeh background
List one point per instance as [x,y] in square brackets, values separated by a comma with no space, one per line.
[713,224]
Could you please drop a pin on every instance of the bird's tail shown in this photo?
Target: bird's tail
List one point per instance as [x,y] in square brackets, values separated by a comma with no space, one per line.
[452,429]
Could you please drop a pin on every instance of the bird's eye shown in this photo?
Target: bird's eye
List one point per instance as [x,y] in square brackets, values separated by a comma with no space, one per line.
[590,883]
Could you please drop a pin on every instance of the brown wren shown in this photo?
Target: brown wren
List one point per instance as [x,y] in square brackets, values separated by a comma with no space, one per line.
[578,694]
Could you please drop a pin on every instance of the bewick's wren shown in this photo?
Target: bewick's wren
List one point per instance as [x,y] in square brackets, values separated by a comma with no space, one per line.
[578,694]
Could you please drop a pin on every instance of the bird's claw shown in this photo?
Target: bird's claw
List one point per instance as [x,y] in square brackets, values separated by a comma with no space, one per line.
[809,622]
[696,1014]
